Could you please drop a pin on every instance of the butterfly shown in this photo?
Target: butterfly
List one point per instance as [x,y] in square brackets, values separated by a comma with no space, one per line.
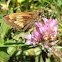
[23,20]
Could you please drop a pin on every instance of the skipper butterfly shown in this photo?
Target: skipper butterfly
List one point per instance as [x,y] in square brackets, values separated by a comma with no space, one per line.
[23,20]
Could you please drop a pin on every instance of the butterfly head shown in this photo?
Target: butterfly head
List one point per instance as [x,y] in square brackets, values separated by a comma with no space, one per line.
[41,13]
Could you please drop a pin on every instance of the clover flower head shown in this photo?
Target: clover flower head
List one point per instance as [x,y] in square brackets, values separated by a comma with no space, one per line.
[46,30]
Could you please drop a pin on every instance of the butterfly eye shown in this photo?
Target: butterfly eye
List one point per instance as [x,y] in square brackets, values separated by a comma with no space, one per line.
[39,14]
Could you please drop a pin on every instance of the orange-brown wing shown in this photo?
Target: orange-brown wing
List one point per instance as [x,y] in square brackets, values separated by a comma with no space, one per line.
[18,20]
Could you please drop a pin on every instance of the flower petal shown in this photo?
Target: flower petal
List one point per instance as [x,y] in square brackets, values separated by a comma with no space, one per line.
[47,47]
[28,43]
[28,36]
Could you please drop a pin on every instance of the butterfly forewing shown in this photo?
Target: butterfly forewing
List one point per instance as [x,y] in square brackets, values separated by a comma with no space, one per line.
[22,20]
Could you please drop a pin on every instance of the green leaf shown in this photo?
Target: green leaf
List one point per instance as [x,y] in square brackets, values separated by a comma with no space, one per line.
[4,29]
[11,50]
[18,53]
[58,47]
[36,51]
[11,44]
[20,1]
[17,36]
[1,18]
[60,34]
[47,60]
[4,57]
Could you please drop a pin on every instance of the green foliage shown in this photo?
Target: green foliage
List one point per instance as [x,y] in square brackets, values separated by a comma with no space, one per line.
[12,47]
[4,57]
